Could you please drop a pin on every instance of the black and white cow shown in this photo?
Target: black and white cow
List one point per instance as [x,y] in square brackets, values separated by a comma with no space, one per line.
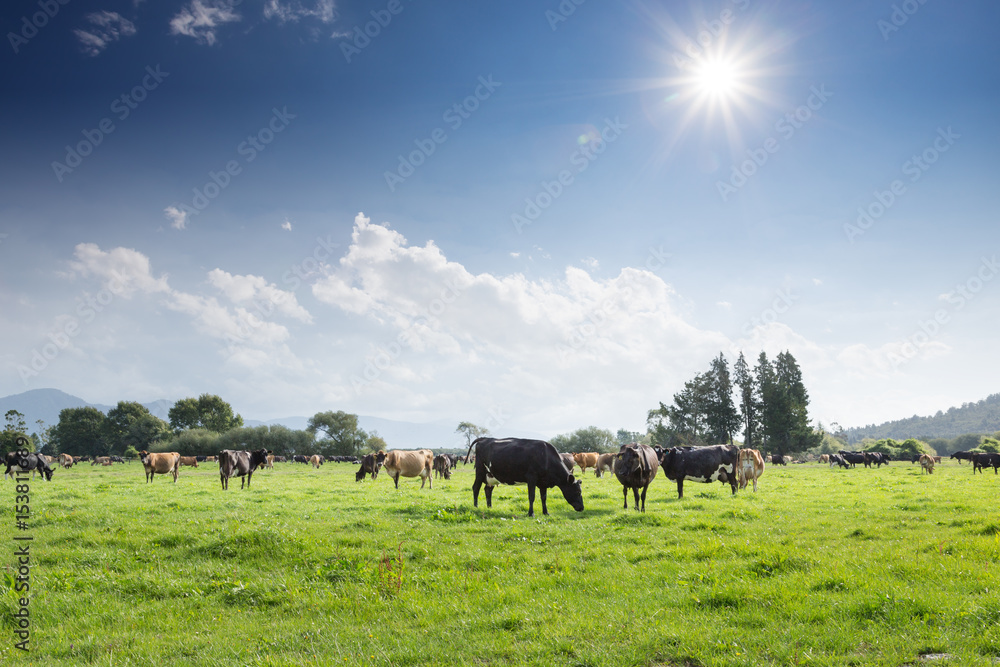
[235,463]
[981,461]
[33,462]
[701,464]
[519,461]
[370,465]
[635,467]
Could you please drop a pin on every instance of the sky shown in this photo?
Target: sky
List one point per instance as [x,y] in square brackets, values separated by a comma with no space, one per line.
[538,215]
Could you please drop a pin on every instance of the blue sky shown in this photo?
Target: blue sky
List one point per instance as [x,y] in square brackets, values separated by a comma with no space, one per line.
[325,275]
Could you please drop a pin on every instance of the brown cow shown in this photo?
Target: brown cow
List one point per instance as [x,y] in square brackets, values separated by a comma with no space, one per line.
[66,461]
[316,460]
[635,468]
[926,464]
[163,463]
[101,460]
[750,466]
[586,460]
[415,463]
[825,458]
[605,463]
[189,461]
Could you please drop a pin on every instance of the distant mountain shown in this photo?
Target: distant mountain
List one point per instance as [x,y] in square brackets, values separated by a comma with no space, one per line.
[45,404]
[980,417]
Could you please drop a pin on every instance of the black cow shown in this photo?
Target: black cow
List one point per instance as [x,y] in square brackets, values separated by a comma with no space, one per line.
[33,462]
[854,458]
[837,459]
[299,458]
[635,467]
[980,461]
[701,464]
[233,463]
[778,460]
[441,466]
[519,461]
[370,465]
[962,456]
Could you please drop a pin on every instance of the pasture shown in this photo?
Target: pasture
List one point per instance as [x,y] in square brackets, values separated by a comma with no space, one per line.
[819,567]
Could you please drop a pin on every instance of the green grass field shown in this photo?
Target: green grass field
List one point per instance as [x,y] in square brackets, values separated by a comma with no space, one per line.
[819,567]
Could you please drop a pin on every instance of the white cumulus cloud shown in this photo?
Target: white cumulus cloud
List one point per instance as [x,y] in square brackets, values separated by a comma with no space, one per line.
[200,18]
[103,28]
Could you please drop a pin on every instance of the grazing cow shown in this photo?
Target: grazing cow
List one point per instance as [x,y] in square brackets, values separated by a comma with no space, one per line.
[635,467]
[370,465]
[825,458]
[299,458]
[520,461]
[985,460]
[606,463]
[926,464]
[101,460]
[701,464]
[568,460]
[280,459]
[65,460]
[961,456]
[442,466]
[853,458]
[879,458]
[585,460]
[414,463]
[189,461]
[838,460]
[239,463]
[751,467]
[31,461]
[162,463]
[269,463]
[316,461]
[778,460]
[937,459]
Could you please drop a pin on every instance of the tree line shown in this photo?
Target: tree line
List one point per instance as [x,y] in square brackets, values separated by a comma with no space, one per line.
[767,405]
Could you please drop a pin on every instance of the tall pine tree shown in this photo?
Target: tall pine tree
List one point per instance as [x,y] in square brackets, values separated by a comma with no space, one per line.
[749,405]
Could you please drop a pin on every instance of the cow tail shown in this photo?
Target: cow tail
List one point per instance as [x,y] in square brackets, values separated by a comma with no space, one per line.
[471,445]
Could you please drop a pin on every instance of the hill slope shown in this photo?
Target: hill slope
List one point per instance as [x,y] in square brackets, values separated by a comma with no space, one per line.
[979,417]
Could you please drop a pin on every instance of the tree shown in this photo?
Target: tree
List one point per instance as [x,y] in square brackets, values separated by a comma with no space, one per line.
[207,411]
[471,432]
[721,417]
[624,436]
[590,439]
[144,432]
[749,404]
[785,416]
[79,432]
[119,421]
[344,437]
[15,427]
[375,443]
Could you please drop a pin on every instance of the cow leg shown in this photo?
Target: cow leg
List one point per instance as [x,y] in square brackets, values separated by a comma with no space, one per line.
[680,488]
[542,491]
[625,497]
[489,496]
[644,489]
[531,500]
[755,485]
[635,497]
[395,478]
[249,477]
[475,492]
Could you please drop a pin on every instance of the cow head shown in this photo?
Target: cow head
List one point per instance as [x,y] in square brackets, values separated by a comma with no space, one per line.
[572,492]
[47,472]
[258,458]
[628,460]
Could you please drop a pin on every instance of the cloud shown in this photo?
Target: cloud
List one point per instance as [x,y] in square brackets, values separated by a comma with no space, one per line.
[123,270]
[105,27]
[177,216]
[293,11]
[591,263]
[256,291]
[287,225]
[201,17]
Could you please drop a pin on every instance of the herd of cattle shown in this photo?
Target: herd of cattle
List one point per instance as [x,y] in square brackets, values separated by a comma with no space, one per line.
[535,463]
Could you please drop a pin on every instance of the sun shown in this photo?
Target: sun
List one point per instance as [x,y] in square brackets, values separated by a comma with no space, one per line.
[717,78]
